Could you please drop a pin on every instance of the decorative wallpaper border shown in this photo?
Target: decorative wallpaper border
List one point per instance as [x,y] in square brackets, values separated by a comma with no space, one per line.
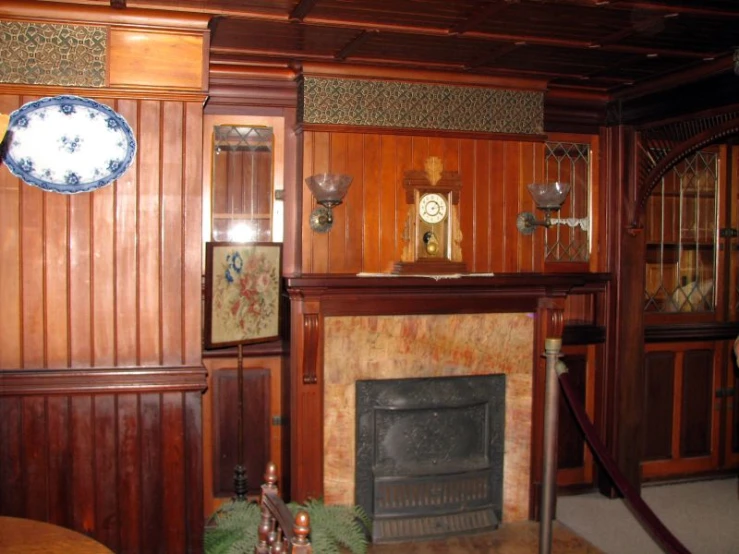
[420,106]
[53,54]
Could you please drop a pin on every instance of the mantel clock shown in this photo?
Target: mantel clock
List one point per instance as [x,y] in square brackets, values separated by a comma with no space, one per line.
[432,235]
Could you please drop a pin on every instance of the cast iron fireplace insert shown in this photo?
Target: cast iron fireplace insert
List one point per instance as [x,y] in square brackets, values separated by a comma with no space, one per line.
[430,455]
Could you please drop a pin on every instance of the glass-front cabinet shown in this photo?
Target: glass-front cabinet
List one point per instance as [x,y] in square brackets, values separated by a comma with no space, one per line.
[690,304]
[682,247]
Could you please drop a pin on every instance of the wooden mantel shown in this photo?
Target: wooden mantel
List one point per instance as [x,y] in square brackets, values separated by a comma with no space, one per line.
[314,297]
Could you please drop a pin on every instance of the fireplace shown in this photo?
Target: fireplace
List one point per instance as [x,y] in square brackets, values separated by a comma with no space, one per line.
[346,328]
[369,348]
[430,455]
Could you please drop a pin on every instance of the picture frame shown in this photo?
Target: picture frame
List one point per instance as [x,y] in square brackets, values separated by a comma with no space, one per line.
[243,286]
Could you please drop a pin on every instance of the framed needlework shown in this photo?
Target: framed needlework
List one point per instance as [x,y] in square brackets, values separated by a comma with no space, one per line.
[242,292]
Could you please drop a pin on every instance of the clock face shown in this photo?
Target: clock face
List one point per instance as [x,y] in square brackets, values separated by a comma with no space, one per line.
[432,208]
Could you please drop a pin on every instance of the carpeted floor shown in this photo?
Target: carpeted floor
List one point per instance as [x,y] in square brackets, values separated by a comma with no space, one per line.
[703,515]
[521,537]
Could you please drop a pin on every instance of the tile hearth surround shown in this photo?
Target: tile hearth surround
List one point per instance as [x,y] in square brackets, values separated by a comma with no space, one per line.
[394,347]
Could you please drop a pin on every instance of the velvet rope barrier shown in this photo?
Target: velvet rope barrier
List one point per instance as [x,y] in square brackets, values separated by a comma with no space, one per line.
[661,534]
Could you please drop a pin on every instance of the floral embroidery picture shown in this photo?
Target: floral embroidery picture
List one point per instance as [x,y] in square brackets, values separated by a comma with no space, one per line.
[242,293]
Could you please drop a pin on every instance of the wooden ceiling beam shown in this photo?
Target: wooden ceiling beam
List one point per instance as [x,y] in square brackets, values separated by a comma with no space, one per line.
[482,12]
[637,27]
[491,56]
[303,8]
[652,7]
[355,43]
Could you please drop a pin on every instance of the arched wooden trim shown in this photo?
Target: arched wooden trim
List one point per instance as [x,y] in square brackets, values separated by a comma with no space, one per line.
[672,140]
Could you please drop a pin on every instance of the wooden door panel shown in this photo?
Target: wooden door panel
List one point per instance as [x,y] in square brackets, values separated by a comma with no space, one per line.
[569,439]
[658,411]
[255,413]
[697,404]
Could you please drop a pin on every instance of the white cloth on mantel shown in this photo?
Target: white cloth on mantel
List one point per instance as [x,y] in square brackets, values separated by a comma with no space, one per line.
[434,277]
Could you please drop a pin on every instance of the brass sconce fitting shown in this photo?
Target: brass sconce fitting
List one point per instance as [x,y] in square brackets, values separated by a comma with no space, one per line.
[329,190]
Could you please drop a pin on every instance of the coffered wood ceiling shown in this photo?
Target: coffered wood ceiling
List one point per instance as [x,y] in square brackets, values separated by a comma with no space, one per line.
[613,48]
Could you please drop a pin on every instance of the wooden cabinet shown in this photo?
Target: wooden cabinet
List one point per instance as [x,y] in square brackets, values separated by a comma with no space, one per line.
[263,411]
[690,425]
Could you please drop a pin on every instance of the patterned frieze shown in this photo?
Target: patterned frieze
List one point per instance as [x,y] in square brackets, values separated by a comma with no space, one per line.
[391,104]
[53,54]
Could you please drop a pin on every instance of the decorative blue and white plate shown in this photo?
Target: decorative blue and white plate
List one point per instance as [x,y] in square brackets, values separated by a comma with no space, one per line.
[68,144]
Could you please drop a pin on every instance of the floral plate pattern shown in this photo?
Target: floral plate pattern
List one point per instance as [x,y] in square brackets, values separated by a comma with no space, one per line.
[68,144]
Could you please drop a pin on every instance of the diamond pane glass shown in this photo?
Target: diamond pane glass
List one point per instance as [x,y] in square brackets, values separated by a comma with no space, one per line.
[681,237]
[568,240]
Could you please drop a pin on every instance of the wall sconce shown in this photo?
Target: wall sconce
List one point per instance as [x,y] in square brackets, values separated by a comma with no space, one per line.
[329,190]
[549,199]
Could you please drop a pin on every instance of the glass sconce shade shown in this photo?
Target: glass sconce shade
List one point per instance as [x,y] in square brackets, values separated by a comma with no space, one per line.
[549,196]
[329,190]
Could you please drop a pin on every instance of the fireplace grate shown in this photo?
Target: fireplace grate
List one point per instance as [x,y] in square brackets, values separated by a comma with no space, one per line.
[421,527]
[430,455]
[452,492]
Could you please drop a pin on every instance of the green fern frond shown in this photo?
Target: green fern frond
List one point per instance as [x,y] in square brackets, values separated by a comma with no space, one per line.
[333,526]
[232,529]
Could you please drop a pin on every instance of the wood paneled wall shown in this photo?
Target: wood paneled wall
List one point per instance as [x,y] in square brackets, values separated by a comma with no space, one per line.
[100,342]
[368,226]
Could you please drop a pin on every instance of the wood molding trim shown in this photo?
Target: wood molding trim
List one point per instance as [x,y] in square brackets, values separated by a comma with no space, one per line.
[403,131]
[25,382]
[103,15]
[314,297]
[122,93]
[694,134]
[348,71]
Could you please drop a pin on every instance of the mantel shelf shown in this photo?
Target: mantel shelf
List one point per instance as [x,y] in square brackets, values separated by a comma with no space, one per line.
[354,295]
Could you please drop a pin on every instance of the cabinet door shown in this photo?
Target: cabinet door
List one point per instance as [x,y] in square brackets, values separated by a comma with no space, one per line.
[263,433]
[574,458]
[682,218]
[682,424]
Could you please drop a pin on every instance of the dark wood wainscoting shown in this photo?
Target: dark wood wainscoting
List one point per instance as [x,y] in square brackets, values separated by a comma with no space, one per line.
[115,454]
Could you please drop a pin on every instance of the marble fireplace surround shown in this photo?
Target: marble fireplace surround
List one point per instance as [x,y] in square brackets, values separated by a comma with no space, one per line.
[446,345]
[345,327]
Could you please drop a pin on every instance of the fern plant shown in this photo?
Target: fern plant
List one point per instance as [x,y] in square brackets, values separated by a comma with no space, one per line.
[232,529]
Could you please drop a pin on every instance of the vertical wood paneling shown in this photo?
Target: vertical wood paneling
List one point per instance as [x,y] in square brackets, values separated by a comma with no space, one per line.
[192,210]
[83,474]
[126,253]
[11,469]
[386,233]
[338,237]
[34,456]
[55,279]
[172,228]
[369,225]
[60,495]
[105,467]
[353,161]
[319,241]
[149,233]
[128,482]
[368,229]
[173,471]
[193,497]
[80,280]
[103,277]
[32,284]
[10,268]
[403,156]
[108,278]
[152,486]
